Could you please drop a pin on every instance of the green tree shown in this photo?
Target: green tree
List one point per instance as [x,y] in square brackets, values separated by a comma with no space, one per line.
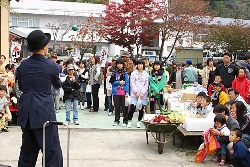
[233,38]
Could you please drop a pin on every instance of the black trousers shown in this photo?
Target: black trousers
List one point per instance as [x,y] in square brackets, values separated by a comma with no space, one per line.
[95,91]
[235,161]
[132,110]
[119,104]
[33,142]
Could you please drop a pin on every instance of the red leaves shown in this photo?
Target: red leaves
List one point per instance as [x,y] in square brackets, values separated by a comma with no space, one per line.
[126,24]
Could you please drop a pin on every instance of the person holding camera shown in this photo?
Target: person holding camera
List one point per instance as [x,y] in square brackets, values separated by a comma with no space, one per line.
[71,88]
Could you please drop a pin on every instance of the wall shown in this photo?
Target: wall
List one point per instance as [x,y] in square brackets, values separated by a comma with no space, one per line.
[4,30]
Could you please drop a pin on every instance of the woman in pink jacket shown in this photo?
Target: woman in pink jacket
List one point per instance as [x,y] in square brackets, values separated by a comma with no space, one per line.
[242,84]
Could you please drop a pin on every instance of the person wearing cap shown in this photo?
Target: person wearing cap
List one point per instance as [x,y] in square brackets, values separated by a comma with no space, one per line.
[190,73]
[53,57]
[176,77]
[71,88]
[35,76]
[242,63]
[129,65]
[219,96]
[227,71]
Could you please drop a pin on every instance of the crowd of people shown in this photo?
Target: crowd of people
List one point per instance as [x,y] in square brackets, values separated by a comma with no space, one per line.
[129,86]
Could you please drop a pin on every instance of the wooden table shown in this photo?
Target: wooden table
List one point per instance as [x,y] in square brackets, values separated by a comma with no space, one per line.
[185,133]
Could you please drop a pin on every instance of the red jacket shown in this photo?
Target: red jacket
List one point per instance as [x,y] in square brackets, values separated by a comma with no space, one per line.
[242,84]
[210,89]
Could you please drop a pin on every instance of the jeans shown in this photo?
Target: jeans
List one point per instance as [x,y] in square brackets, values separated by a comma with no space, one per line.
[111,108]
[56,99]
[246,140]
[223,150]
[89,101]
[95,91]
[158,100]
[83,94]
[68,104]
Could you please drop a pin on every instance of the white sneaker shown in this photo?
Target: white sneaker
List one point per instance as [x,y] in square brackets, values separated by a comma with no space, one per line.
[129,124]
[115,123]
[110,113]
[82,107]
[67,122]
[124,125]
[138,124]
[76,123]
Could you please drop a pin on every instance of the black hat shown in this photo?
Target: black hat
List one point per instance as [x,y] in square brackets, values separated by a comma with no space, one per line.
[2,87]
[37,40]
[217,83]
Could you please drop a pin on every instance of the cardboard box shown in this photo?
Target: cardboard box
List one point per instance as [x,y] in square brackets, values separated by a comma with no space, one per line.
[175,105]
[191,97]
[187,106]
[197,124]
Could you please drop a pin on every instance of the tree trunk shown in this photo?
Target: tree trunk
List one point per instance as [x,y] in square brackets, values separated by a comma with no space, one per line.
[176,38]
[163,38]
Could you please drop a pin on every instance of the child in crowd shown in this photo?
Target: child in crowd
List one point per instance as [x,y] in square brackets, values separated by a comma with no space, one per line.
[88,95]
[206,106]
[157,80]
[217,78]
[242,84]
[83,74]
[109,91]
[71,88]
[228,104]
[139,81]
[219,96]
[197,105]
[5,114]
[239,155]
[220,123]
[120,89]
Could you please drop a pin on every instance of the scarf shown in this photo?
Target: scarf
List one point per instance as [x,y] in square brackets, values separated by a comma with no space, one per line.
[152,98]
[241,78]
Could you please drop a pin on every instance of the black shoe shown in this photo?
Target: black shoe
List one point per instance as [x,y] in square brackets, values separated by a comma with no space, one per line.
[106,109]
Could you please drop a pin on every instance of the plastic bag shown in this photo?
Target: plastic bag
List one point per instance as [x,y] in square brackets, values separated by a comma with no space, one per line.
[127,101]
[139,104]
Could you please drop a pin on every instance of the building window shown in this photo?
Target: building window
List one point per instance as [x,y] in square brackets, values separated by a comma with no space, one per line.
[24,22]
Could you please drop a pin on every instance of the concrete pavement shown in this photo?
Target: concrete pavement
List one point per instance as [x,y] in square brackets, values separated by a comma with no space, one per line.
[96,143]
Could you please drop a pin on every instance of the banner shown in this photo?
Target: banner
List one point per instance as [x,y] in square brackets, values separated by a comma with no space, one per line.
[104,56]
[15,51]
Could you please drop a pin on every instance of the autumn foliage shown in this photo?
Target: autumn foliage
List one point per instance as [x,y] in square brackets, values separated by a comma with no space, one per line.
[88,34]
[233,37]
[128,23]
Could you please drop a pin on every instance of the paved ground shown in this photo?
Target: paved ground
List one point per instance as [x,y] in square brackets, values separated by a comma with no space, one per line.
[95,142]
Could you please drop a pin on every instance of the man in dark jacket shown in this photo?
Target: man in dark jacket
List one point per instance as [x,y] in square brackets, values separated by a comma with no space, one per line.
[227,71]
[35,76]
[176,77]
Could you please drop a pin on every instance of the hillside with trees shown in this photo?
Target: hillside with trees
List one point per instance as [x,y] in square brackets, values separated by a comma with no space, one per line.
[237,9]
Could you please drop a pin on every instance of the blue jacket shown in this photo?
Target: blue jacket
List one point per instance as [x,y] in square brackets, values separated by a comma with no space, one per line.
[115,83]
[35,76]
[241,152]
